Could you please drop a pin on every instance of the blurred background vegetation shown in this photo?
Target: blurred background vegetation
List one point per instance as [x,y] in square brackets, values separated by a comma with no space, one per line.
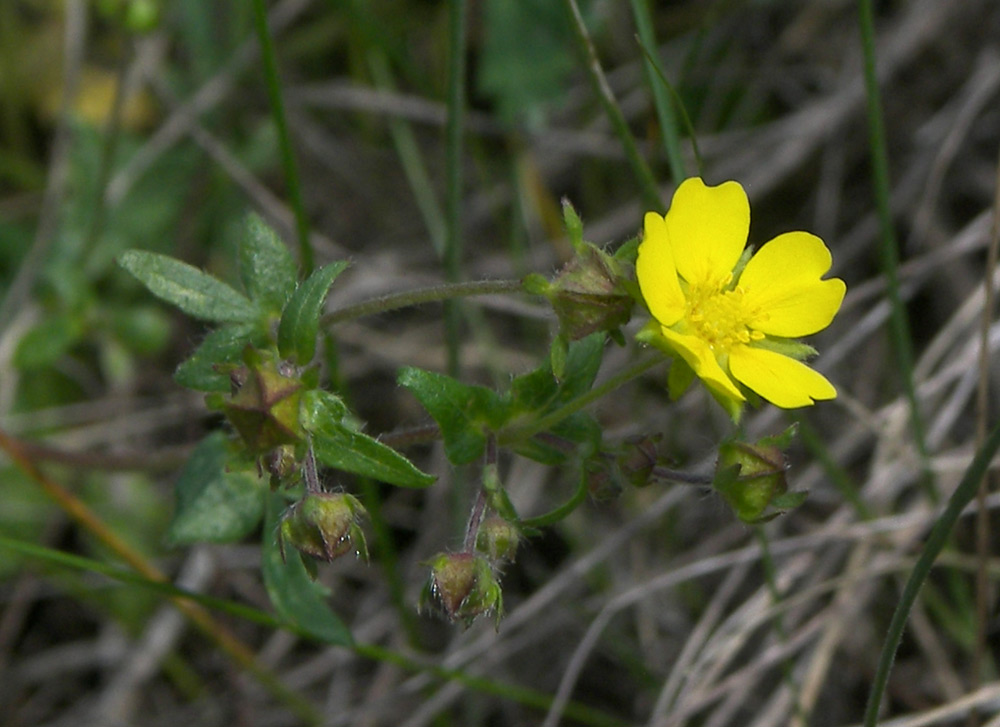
[141,124]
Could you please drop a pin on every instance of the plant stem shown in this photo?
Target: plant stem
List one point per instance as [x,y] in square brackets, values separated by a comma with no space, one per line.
[453,164]
[560,512]
[661,101]
[647,183]
[982,416]
[432,294]
[933,546]
[269,59]
[888,249]
[575,405]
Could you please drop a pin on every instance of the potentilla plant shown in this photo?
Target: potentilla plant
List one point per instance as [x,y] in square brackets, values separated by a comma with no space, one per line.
[718,312]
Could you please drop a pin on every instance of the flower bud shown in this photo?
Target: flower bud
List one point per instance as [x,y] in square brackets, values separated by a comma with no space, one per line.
[264,406]
[462,586]
[751,478]
[324,525]
[498,539]
[588,296]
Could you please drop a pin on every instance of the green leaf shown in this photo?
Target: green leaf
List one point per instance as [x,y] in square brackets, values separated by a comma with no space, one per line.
[539,390]
[338,445]
[214,505]
[196,293]
[583,360]
[299,325]
[222,346]
[267,268]
[296,597]
[463,412]
[580,428]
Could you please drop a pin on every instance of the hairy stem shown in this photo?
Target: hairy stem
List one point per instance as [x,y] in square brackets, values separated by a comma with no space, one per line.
[432,294]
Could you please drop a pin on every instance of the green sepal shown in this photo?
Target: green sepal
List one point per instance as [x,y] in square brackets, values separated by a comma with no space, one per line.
[339,445]
[786,347]
[299,326]
[215,504]
[463,412]
[267,269]
[558,352]
[574,226]
[296,597]
[628,251]
[679,378]
[197,293]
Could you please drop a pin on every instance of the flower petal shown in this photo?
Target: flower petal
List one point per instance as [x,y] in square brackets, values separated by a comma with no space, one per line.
[782,282]
[707,228]
[783,381]
[657,274]
[701,359]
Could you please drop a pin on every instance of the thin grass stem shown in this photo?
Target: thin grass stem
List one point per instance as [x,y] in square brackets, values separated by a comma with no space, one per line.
[433,294]
[571,407]
[661,101]
[457,12]
[899,327]
[292,180]
[935,543]
[643,175]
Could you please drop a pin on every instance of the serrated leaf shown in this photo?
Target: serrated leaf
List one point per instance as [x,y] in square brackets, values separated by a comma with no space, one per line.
[790,500]
[295,596]
[221,346]
[267,269]
[338,445]
[214,505]
[463,412]
[195,292]
[299,324]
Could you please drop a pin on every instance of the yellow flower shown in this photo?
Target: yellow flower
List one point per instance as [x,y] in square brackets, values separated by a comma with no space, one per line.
[730,318]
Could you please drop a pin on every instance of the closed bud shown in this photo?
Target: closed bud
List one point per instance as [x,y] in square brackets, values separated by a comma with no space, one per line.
[324,525]
[264,406]
[751,478]
[462,586]
[588,296]
[498,539]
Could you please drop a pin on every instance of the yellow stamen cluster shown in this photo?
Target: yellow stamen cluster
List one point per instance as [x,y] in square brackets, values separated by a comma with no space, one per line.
[719,316]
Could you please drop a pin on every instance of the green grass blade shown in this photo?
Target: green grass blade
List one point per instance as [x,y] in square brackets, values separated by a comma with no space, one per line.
[899,326]
[661,102]
[306,257]
[457,39]
[643,174]
[935,543]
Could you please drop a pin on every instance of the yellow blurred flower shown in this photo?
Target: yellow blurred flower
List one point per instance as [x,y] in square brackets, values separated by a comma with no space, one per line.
[732,319]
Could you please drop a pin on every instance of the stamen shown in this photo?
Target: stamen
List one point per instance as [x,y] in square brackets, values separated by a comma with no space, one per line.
[719,316]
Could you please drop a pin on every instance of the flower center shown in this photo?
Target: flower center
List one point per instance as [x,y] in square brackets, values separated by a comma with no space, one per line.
[719,316]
